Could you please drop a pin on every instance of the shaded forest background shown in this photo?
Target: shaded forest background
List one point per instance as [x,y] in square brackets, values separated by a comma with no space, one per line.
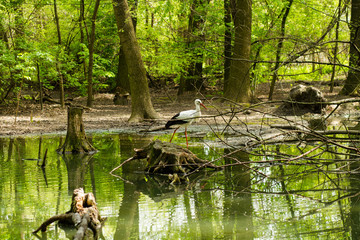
[228,46]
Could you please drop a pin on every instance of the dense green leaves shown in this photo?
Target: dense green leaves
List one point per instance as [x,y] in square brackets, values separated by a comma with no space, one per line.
[28,35]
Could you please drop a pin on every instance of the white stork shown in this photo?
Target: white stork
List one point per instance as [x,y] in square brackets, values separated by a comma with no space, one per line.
[184,119]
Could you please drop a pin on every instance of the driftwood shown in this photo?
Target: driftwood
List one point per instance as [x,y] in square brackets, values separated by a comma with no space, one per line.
[76,140]
[170,159]
[83,214]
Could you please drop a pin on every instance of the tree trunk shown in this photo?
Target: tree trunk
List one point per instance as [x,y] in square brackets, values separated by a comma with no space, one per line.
[332,78]
[353,79]
[61,82]
[169,158]
[91,55]
[40,85]
[83,214]
[227,42]
[141,106]
[76,140]
[19,40]
[196,42]
[239,80]
[3,32]
[81,28]
[279,47]
[122,77]
[193,80]
[61,85]
[57,23]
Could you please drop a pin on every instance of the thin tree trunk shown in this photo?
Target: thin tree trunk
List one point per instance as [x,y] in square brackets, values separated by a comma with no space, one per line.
[195,43]
[18,99]
[91,55]
[278,50]
[61,82]
[19,25]
[335,49]
[82,37]
[227,42]
[61,85]
[57,23]
[3,33]
[40,85]
[260,47]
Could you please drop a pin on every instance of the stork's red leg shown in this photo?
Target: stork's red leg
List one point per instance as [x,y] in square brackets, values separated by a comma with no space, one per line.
[187,145]
[173,134]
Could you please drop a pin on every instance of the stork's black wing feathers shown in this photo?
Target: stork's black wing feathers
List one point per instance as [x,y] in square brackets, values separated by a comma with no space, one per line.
[174,121]
[175,117]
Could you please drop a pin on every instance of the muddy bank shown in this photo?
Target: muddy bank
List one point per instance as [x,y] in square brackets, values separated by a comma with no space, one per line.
[107,117]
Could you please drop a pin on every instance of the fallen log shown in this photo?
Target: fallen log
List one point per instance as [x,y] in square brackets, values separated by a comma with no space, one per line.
[168,158]
[83,215]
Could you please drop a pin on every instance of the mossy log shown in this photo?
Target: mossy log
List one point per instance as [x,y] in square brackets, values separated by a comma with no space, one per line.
[83,215]
[168,158]
[76,140]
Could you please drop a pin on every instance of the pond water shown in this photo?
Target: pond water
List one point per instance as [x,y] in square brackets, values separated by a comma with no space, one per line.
[277,201]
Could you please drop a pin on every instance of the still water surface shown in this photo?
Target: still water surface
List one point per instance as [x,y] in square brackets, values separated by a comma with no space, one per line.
[230,204]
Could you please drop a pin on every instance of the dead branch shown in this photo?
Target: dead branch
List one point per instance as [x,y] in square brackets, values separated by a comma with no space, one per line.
[66,217]
[83,214]
[168,158]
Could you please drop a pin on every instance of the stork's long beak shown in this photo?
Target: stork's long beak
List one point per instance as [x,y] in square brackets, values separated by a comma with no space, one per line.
[203,105]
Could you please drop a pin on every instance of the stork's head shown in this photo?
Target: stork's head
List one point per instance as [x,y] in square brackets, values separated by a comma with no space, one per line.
[199,103]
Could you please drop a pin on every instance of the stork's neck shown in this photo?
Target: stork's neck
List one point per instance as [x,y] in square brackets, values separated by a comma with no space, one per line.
[197,107]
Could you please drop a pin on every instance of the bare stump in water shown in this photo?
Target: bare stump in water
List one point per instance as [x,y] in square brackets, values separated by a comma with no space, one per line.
[76,140]
[168,158]
[83,215]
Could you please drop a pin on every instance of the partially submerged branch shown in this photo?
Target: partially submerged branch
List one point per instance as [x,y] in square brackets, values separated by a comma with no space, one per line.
[83,214]
[168,158]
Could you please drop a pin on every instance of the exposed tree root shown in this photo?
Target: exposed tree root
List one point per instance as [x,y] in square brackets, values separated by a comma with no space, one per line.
[169,158]
[83,214]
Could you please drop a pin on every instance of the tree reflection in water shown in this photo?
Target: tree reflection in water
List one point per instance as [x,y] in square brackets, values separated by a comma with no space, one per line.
[260,194]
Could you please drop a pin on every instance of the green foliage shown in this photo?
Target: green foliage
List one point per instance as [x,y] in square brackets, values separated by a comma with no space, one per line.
[162,29]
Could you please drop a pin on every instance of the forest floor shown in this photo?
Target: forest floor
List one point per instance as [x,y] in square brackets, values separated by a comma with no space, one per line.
[105,116]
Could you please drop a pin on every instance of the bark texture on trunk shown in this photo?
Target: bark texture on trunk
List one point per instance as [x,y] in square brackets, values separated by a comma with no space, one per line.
[238,84]
[76,140]
[141,106]
[353,79]
[83,215]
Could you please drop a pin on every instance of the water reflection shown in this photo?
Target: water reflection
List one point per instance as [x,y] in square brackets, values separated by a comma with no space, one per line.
[237,204]
[245,201]
[77,165]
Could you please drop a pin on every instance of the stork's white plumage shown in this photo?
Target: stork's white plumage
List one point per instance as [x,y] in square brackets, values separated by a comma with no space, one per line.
[185,118]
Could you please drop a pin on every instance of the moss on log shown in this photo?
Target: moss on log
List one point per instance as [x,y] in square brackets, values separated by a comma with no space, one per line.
[76,140]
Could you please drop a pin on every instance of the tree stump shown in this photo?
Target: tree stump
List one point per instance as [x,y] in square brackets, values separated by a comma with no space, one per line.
[303,99]
[121,97]
[76,140]
[83,215]
[168,158]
